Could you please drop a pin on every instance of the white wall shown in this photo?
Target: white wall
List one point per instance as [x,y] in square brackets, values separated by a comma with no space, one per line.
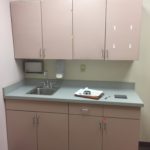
[10,71]
[138,71]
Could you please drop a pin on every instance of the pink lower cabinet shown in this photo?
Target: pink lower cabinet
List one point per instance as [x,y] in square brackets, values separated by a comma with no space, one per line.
[120,134]
[121,128]
[85,127]
[34,125]
[21,130]
[106,128]
[85,132]
[37,125]
[52,131]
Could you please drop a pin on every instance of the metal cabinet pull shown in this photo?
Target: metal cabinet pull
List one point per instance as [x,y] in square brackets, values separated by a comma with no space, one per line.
[100,125]
[34,120]
[102,53]
[104,122]
[44,53]
[41,53]
[37,120]
[104,126]
[107,54]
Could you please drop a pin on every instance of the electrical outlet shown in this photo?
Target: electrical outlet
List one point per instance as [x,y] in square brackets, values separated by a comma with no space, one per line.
[82,67]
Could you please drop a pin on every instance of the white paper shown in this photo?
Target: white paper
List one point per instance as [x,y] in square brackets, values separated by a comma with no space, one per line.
[93,92]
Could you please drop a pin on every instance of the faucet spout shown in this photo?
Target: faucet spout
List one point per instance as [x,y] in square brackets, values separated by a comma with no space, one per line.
[46,81]
[47,84]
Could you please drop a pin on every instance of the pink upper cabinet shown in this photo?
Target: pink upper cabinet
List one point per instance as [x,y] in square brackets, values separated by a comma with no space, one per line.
[88,29]
[76,29]
[26,24]
[123,29]
[57,28]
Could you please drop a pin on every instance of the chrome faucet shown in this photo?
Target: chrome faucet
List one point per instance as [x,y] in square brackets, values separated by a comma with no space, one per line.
[50,85]
[45,82]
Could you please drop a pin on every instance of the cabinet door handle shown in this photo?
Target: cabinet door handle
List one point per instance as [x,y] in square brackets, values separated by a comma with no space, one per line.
[34,120]
[44,53]
[41,53]
[102,53]
[104,126]
[37,120]
[100,125]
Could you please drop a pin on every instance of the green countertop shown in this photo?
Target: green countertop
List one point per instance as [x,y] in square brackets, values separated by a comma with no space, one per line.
[68,87]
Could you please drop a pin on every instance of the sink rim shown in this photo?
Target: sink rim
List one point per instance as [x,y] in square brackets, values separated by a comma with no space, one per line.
[42,91]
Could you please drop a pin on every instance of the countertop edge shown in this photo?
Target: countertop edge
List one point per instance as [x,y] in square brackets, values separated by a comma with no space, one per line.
[18,91]
[73,101]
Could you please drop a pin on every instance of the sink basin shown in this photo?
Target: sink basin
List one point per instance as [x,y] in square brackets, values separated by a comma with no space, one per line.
[43,91]
[49,89]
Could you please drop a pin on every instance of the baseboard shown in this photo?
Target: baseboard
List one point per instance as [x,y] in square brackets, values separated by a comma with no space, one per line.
[144,144]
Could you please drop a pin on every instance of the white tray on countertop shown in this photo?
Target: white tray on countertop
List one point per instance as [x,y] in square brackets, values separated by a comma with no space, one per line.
[89,93]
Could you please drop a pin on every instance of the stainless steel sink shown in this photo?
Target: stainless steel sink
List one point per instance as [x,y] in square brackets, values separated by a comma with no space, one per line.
[48,88]
[43,91]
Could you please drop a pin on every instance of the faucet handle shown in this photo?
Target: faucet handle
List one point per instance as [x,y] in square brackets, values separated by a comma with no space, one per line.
[51,85]
[47,82]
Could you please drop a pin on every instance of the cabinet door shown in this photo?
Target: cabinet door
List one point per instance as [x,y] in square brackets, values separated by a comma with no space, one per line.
[52,131]
[123,29]
[121,134]
[85,133]
[57,28]
[26,24]
[88,29]
[21,130]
